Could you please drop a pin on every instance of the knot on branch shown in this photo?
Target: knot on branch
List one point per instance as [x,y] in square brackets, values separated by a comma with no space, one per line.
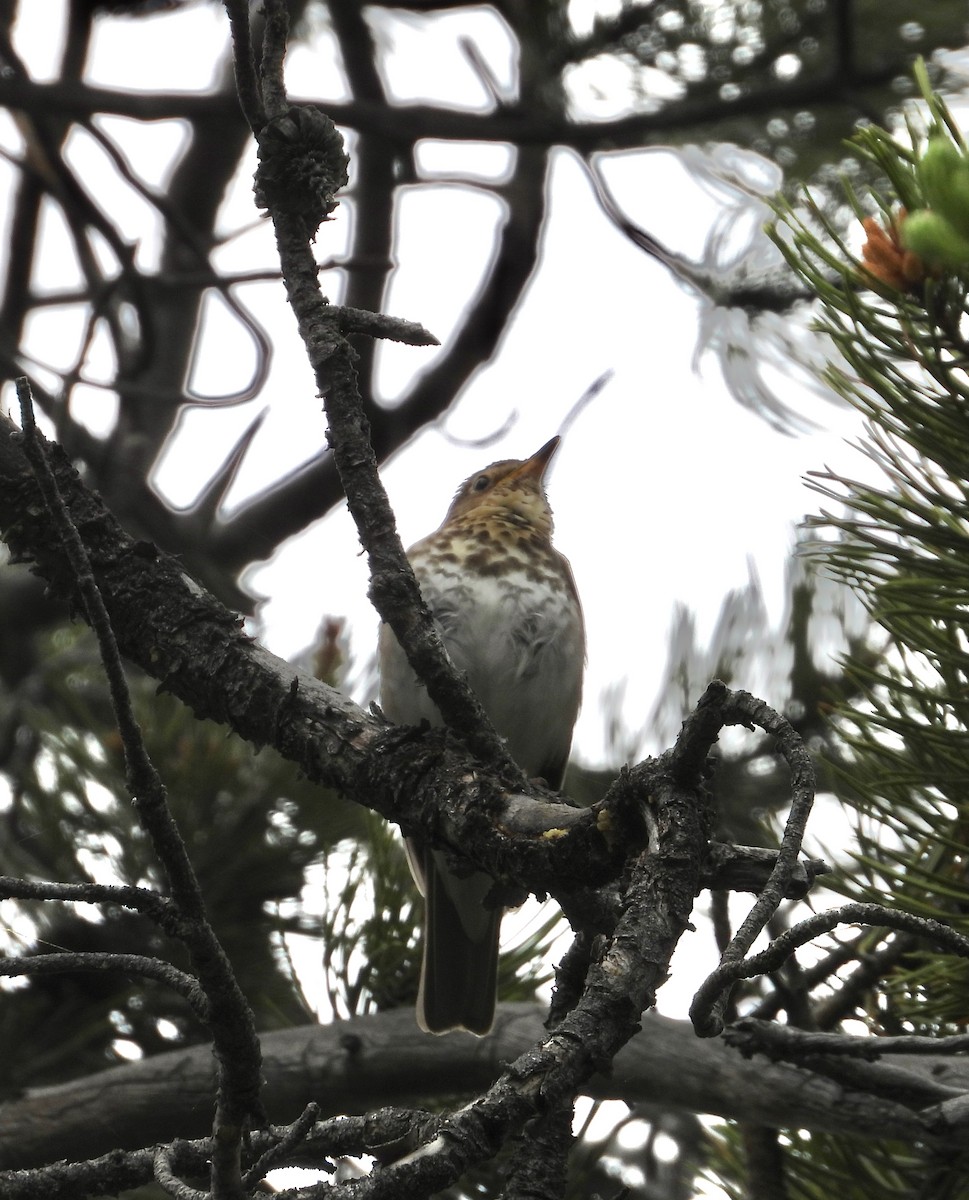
[302,165]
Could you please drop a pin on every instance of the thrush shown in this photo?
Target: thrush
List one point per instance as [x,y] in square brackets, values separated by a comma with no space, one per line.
[505,602]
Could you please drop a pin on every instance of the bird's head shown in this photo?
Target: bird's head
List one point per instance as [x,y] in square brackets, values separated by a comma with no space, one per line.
[510,491]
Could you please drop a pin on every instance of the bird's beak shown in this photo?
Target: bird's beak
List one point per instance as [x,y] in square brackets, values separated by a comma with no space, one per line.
[535,467]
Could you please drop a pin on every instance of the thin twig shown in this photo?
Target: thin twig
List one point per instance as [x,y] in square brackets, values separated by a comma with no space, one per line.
[805,931]
[872,966]
[393,329]
[792,1043]
[159,908]
[231,1022]
[292,1137]
[832,962]
[141,778]
[140,965]
[275,36]
[122,1170]
[247,85]
[168,1181]
[740,708]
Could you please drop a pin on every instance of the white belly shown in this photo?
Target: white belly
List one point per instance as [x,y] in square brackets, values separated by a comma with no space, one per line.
[522,649]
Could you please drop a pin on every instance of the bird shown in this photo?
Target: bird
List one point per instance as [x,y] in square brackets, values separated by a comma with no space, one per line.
[506,606]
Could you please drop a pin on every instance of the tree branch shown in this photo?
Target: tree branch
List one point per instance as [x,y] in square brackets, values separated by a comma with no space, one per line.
[137,965]
[511,123]
[360,1065]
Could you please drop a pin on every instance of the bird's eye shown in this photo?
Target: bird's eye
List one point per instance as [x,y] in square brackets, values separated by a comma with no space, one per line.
[481,483]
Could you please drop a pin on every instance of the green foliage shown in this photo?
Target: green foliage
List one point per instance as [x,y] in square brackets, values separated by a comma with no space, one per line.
[904,545]
[369,911]
[822,1165]
[901,539]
